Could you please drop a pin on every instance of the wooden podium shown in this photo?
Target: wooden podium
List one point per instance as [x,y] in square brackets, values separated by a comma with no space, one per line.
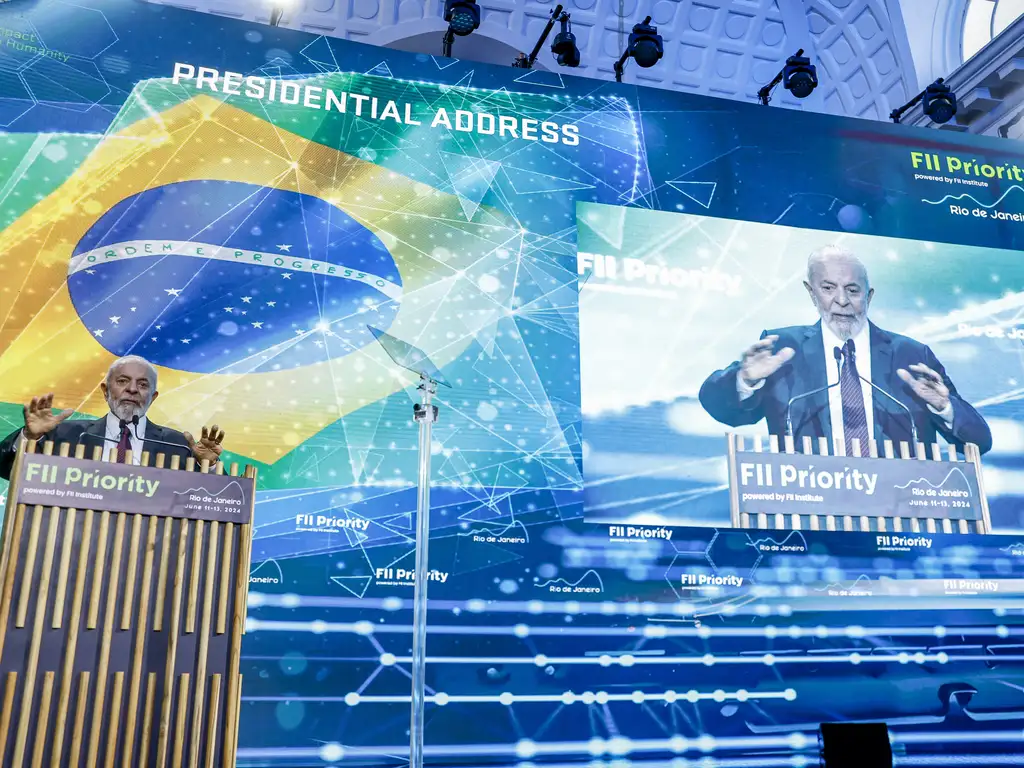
[122,610]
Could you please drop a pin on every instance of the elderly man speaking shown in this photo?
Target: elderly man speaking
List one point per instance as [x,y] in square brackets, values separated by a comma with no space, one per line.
[129,388]
[846,351]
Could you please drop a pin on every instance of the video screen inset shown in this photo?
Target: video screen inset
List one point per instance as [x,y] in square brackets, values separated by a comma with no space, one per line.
[751,375]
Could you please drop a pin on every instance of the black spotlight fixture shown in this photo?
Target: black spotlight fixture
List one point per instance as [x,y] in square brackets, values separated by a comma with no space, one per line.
[463,17]
[276,13]
[564,48]
[645,47]
[854,745]
[937,100]
[798,76]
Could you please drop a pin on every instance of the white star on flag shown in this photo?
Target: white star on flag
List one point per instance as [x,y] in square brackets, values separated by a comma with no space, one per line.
[285,248]
[258,324]
[115,319]
[247,299]
[172,291]
[98,332]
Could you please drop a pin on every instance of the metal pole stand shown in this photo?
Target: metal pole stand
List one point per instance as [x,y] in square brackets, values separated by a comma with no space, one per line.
[424,412]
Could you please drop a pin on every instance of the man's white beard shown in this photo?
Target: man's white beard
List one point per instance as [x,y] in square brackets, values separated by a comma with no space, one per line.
[847,330]
[127,411]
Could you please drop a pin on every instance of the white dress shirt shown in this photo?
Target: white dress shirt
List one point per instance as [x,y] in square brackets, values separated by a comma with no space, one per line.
[862,350]
[114,433]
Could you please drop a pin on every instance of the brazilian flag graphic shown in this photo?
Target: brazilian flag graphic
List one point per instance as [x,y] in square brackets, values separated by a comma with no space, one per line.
[233,246]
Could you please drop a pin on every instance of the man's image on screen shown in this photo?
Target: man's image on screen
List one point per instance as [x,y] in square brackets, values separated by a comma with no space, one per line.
[846,350]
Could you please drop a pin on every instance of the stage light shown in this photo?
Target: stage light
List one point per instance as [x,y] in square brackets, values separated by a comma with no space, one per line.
[798,76]
[563,48]
[463,16]
[937,101]
[645,47]
[854,745]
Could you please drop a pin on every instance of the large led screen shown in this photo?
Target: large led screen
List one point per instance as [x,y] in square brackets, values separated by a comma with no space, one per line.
[692,327]
[252,207]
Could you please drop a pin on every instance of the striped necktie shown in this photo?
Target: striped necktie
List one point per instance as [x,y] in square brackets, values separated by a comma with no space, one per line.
[124,444]
[855,418]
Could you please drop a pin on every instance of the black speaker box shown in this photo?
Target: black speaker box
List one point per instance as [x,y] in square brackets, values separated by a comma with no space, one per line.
[855,745]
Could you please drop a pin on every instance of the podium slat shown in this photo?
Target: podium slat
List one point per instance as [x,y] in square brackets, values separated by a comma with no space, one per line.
[65,555]
[39,748]
[10,685]
[193,585]
[164,728]
[115,719]
[44,720]
[97,578]
[141,628]
[77,598]
[103,667]
[30,566]
[234,727]
[161,580]
[225,578]
[78,733]
[179,725]
[147,723]
[129,581]
[211,726]
[63,569]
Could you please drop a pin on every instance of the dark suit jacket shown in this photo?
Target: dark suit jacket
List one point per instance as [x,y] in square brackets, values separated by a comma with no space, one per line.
[91,432]
[811,416]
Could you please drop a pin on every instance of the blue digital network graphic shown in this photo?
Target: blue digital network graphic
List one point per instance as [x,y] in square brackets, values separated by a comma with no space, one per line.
[550,641]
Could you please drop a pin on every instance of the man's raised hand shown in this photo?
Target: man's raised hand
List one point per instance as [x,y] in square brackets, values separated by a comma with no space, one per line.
[208,446]
[926,384]
[40,418]
[760,361]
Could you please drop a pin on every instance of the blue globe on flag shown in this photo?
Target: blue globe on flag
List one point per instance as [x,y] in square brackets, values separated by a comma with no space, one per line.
[226,277]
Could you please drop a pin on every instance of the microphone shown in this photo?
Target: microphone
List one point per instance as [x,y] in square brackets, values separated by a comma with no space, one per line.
[98,437]
[837,353]
[876,388]
[135,431]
